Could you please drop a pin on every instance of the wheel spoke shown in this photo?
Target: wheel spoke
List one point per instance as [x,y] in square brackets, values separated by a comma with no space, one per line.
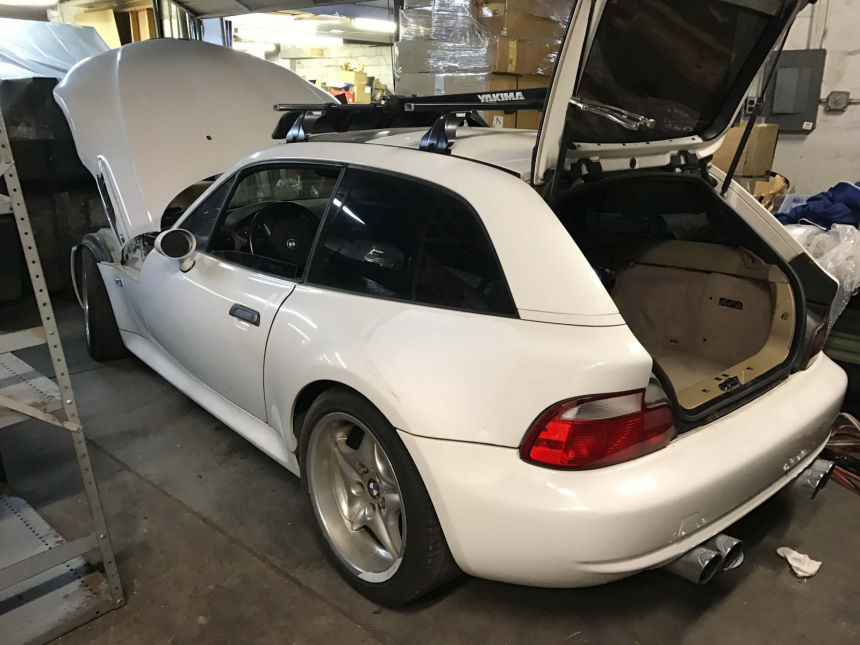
[347,460]
[384,469]
[366,451]
[361,514]
[381,525]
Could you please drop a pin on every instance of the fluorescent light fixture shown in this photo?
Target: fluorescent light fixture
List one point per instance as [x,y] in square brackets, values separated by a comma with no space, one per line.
[28,3]
[372,24]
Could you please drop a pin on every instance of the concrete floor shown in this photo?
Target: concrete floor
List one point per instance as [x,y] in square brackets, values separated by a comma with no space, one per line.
[214,545]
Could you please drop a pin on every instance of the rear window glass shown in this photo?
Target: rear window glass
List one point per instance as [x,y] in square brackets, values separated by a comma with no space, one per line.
[671,60]
[391,237]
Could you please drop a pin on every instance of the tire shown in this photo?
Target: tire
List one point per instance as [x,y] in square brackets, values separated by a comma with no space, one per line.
[340,431]
[104,342]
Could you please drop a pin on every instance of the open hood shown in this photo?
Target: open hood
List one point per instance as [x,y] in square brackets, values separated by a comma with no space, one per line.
[154,117]
[638,80]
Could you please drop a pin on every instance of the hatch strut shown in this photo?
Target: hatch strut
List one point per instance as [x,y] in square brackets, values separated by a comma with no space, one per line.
[753,117]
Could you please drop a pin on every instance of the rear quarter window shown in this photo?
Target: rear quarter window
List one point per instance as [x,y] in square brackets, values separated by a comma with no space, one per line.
[393,237]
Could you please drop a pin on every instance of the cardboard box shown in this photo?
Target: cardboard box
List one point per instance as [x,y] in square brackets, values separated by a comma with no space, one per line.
[503,55]
[362,94]
[518,22]
[358,79]
[757,157]
[430,84]
[530,119]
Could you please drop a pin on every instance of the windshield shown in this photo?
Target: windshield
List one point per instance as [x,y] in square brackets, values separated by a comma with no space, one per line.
[674,61]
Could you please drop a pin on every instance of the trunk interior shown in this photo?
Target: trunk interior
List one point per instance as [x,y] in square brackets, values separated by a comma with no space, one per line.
[706,297]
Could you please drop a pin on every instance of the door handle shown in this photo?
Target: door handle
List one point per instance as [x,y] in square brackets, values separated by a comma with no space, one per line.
[244,313]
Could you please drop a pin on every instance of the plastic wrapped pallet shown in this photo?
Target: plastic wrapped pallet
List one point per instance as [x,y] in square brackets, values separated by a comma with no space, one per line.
[444,36]
[542,20]
[496,54]
[449,20]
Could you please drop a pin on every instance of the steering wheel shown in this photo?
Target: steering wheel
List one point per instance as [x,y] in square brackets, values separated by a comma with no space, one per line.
[283,231]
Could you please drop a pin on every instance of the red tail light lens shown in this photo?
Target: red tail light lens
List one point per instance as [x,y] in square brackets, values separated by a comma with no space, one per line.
[597,431]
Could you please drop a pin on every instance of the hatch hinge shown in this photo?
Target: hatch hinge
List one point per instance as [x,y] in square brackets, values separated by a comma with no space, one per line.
[584,167]
[688,162]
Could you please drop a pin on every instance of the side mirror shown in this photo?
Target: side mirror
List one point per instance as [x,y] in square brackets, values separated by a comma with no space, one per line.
[177,244]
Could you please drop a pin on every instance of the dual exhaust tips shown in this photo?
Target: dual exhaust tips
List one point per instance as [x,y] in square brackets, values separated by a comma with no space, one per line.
[722,552]
[700,564]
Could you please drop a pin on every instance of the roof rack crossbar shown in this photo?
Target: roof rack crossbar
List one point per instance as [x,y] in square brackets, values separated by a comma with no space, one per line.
[299,120]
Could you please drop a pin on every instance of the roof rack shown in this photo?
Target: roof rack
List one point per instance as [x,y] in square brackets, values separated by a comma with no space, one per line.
[443,113]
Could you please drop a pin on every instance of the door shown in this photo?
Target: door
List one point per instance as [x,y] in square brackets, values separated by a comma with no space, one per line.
[254,234]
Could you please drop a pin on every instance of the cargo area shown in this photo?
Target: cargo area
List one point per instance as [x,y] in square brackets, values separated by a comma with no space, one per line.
[713,317]
[708,300]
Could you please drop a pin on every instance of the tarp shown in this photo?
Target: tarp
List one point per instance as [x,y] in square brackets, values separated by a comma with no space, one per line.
[29,48]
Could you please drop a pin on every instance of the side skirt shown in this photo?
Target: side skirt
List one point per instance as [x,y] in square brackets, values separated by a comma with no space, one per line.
[250,427]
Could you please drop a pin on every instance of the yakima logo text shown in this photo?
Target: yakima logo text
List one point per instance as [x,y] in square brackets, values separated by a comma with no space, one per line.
[501,97]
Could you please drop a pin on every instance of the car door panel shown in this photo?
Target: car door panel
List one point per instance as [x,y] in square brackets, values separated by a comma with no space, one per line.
[189,315]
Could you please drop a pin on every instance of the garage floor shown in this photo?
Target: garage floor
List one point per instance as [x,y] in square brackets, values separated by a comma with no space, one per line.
[214,544]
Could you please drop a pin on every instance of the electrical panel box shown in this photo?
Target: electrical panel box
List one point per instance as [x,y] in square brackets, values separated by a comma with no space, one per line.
[794,95]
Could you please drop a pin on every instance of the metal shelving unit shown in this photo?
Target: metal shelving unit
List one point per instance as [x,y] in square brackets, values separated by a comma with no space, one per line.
[51,554]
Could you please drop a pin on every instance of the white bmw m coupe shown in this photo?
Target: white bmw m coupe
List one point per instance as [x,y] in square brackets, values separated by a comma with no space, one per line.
[551,358]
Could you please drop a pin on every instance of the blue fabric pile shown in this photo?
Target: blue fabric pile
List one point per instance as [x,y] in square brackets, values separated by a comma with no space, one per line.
[839,205]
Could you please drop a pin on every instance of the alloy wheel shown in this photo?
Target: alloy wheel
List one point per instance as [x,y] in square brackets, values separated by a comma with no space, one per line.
[356,497]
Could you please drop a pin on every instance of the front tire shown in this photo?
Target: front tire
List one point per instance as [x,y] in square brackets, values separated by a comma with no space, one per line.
[104,342]
[377,521]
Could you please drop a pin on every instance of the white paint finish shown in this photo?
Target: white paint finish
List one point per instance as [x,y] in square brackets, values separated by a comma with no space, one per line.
[758,217]
[212,106]
[188,315]
[588,527]
[507,148]
[830,153]
[123,287]
[442,373]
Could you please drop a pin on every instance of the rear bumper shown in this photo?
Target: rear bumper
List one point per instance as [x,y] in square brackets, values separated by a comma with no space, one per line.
[511,521]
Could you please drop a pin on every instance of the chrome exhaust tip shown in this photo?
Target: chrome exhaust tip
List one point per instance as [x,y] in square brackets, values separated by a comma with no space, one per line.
[698,565]
[809,482]
[732,550]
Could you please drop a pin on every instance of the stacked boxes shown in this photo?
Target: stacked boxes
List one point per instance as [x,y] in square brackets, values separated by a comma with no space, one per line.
[457,46]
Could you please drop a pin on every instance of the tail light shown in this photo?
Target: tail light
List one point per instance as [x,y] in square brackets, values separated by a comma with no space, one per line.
[597,431]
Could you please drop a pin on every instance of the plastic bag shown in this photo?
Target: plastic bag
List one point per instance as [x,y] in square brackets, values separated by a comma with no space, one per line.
[838,253]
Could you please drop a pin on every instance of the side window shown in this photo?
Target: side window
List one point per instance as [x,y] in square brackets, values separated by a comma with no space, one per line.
[396,238]
[270,221]
[202,220]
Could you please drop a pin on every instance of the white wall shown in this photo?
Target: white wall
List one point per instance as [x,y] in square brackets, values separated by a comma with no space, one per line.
[831,153]
[377,61]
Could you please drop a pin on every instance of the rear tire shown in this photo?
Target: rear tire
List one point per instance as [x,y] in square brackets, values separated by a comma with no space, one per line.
[378,525]
[104,342]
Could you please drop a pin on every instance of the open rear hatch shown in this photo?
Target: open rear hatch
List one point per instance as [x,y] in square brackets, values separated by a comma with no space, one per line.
[641,97]
[640,80]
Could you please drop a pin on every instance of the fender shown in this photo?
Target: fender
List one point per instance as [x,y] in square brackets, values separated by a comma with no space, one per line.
[98,246]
